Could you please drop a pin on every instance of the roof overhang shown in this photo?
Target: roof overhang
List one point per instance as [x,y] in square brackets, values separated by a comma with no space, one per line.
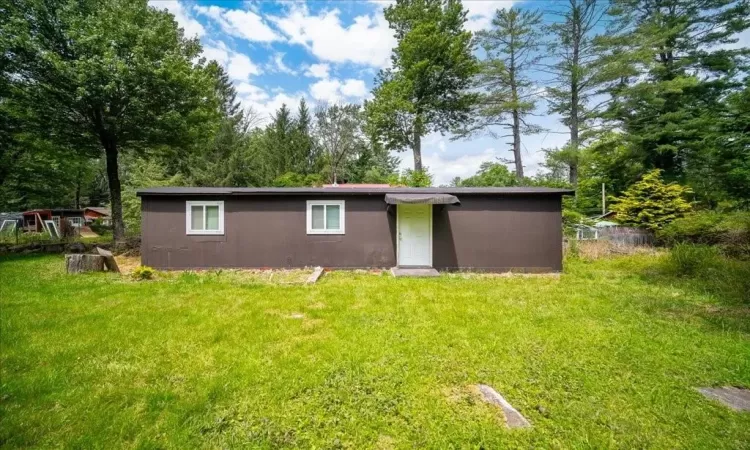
[421,199]
[341,190]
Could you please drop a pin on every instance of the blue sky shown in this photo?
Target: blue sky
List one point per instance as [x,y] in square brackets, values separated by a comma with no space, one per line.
[330,52]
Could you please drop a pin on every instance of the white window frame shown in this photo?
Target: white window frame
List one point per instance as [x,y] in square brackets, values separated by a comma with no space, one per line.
[342,216]
[188,217]
[75,221]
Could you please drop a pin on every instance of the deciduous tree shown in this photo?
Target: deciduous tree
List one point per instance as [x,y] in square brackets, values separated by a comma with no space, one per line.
[425,89]
[113,76]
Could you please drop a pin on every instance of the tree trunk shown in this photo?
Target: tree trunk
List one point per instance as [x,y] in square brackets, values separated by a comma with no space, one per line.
[115,194]
[574,98]
[517,144]
[78,263]
[573,162]
[417,145]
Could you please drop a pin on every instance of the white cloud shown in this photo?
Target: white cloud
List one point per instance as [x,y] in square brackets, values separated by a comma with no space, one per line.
[240,67]
[217,51]
[237,65]
[481,12]
[317,71]
[277,65]
[367,41]
[191,26]
[354,88]
[334,91]
[244,24]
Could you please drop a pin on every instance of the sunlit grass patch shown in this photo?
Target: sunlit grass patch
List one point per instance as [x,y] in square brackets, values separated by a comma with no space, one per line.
[605,355]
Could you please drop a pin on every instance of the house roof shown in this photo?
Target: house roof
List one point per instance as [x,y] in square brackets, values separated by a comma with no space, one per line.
[100,210]
[343,190]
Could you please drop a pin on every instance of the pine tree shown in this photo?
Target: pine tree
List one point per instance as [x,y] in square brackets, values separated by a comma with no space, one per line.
[512,47]
[575,75]
[651,203]
[668,69]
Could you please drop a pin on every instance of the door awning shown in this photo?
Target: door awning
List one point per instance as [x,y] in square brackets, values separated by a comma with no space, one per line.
[421,199]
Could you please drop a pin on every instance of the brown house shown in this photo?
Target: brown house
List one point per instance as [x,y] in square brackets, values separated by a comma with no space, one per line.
[489,229]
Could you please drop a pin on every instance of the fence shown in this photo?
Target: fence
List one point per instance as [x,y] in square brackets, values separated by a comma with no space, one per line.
[617,234]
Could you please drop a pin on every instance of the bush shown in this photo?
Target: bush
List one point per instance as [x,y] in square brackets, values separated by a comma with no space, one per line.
[690,259]
[729,231]
[99,228]
[143,273]
[650,203]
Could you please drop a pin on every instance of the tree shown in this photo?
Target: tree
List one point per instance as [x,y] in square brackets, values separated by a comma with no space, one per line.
[425,90]
[490,174]
[305,150]
[411,178]
[116,76]
[730,158]
[669,67]
[651,203]
[141,173]
[575,77]
[508,93]
[278,140]
[339,132]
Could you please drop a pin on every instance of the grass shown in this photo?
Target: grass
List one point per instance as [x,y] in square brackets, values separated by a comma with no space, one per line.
[605,356]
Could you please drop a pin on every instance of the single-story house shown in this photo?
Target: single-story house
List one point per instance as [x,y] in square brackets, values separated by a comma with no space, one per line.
[488,229]
[92,213]
[33,220]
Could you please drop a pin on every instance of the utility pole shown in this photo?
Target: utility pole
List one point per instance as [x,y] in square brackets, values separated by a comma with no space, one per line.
[604,201]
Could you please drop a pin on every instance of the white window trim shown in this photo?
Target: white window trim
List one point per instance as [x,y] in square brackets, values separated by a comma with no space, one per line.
[342,212]
[188,213]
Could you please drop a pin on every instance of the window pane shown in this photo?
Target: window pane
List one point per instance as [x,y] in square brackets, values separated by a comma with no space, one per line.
[196,217]
[318,217]
[212,217]
[333,221]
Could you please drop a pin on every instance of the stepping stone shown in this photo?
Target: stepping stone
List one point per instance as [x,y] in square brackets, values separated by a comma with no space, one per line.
[736,398]
[315,275]
[513,418]
[414,272]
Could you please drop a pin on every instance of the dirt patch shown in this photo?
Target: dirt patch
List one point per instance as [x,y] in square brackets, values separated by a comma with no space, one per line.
[127,264]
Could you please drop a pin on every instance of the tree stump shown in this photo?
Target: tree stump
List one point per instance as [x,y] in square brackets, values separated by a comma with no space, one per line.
[79,263]
[109,260]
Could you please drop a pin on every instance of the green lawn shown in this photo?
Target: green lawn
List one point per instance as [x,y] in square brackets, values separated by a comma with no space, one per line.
[607,355]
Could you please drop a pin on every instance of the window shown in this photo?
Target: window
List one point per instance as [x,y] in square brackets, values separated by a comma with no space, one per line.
[75,221]
[205,218]
[56,219]
[325,217]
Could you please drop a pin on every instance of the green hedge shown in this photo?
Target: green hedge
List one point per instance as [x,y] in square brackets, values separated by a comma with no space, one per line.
[729,231]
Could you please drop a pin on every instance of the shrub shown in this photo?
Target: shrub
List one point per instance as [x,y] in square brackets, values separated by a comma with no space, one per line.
[729,231]
[650,203]
[690,259]
[99,228]
[143,273]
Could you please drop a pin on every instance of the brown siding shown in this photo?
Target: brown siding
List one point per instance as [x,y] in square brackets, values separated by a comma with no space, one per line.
[484,233]
[499,233]
[267,231]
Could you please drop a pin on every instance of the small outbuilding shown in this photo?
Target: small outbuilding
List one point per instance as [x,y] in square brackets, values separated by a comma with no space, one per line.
[487,229]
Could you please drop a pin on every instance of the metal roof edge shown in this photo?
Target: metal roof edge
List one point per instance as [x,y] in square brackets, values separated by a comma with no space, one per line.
[217,191]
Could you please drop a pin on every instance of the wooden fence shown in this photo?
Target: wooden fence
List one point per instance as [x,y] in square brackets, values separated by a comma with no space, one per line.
[618,235]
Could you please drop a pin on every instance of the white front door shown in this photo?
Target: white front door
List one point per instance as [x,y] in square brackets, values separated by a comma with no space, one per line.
[415,235]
